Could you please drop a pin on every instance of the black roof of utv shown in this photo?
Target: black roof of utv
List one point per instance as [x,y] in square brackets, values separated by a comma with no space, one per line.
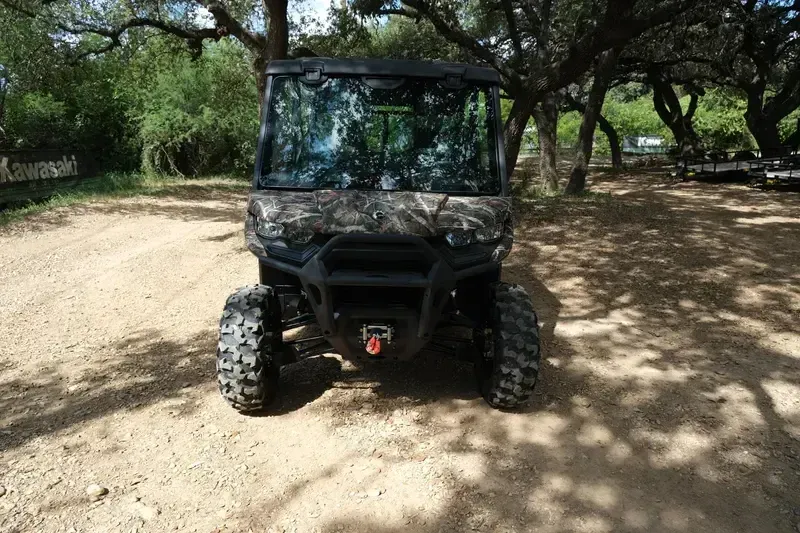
[383,67]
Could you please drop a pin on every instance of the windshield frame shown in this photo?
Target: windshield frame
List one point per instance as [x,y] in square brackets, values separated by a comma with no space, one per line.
[262,156]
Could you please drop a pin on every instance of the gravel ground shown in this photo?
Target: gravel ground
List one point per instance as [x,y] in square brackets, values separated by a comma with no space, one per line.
[669,399]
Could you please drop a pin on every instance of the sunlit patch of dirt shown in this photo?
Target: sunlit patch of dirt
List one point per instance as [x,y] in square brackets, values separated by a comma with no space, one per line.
[668,398]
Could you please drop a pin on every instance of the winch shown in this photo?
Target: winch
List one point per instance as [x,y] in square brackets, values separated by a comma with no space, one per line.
[372,334]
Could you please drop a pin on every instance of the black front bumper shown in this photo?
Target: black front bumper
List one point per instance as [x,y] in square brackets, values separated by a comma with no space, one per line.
[359,280]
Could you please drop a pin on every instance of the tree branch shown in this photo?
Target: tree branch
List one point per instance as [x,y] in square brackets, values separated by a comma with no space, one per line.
[508,9]
[254,42]
[787,98]
[694,98]
[530,14]
[399,11]
[615,31]
[194,36]
[453,33]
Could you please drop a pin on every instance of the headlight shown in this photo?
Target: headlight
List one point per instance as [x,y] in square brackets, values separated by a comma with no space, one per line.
[489,233]
[276,230]
[457,239]
[269,230]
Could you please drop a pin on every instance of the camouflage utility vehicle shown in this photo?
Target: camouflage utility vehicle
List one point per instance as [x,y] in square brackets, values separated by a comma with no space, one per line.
[379,214]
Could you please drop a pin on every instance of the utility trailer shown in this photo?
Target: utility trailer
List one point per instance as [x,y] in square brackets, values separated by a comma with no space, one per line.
[723,166]
[769,173]
[737,166]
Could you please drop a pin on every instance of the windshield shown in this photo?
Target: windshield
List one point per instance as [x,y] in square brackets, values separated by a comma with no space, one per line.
[380,134]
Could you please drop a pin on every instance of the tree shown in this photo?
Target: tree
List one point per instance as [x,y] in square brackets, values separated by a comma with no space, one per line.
[750,45]
[668,106]
[52,102]
[200,116]
[349,34]
[573,103]
[597,94]
[536,47]
[545,114]
[112,20]
[768,61]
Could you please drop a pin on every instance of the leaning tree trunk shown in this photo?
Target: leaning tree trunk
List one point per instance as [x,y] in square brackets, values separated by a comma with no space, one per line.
[514,130]
[605,126]
[597,94]
[668,106]
[613,141]
[546,116]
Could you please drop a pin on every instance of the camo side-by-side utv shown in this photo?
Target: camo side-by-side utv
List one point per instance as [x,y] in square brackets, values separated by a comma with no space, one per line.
[380,214]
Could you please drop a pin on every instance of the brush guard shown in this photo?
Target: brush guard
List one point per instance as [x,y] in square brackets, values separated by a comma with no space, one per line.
[380,263]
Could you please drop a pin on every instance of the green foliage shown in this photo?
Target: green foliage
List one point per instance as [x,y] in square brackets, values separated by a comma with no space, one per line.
[36,120]
[789,124]
[635,117]
[200,117]
[396,38]
[404,38]
[568,126]
[719,120]
[55,102]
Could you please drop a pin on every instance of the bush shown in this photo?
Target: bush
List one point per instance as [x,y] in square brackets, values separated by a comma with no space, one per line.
[720,122]
[36,120]
[201,116]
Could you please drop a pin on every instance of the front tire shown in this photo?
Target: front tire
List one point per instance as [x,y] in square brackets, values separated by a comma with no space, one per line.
[249,337]
[509,355]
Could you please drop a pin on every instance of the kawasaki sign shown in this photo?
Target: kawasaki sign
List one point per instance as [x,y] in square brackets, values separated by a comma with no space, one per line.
[67,166]
[29,174]
[644,144]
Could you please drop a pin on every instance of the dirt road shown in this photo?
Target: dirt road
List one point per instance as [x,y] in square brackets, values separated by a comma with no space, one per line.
[669,400]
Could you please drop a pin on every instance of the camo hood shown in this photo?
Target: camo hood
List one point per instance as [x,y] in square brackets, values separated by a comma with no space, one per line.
[333,212]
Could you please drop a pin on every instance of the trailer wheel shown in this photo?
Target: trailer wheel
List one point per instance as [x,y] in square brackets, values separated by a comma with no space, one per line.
[509,354]
[249,337]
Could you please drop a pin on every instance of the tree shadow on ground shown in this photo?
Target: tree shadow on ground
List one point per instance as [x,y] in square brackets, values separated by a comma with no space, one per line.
[669,393]
[668,399]
[133,373]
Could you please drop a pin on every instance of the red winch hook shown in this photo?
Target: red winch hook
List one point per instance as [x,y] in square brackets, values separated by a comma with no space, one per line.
[374,345]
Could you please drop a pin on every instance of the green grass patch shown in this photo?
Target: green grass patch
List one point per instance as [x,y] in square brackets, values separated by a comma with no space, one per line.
[121,185]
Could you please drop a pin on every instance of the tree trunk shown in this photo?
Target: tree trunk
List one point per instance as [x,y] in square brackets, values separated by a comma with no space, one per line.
[668,106]
[613,141]
[260,68]
[605,126]
[546,116]
[277,29]
[277,44]
[597,94]
[514,129]
[767,136]
[3,90]
[763,127]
